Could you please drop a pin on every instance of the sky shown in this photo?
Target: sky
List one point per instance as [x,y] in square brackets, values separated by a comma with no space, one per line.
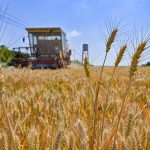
[84,21]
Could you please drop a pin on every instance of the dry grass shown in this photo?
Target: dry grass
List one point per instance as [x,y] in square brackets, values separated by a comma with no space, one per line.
[54,109]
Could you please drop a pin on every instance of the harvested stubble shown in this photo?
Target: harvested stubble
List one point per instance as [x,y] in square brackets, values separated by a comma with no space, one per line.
[53,109]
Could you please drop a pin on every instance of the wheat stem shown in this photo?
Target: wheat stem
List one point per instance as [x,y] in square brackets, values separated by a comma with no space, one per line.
[135,60]
[118,60]
[6,114]
[95,102]
[108,91]
[7,118]
[120,113]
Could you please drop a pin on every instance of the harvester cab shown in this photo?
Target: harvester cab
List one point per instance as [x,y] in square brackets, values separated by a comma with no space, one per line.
[48,48]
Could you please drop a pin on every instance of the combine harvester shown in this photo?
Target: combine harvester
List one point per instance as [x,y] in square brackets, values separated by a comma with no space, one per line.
[48,49]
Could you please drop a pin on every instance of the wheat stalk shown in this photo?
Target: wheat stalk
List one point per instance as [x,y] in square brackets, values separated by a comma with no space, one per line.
[70,145]
[17,143]
[135,60]
[118,60]
[39,101]
[6,114]
[109,43]
[5,141]
[108,140]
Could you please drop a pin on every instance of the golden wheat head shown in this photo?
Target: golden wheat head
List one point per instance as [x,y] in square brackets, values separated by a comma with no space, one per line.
[111,39]
[136,57]
[86,67]
[120,55]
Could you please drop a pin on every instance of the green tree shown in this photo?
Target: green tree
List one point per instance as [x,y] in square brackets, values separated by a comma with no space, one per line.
[7,55]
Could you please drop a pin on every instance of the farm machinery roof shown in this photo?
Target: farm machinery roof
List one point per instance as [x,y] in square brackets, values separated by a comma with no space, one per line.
[48,49]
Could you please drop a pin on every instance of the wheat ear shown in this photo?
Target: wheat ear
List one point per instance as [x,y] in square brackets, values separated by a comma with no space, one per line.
[120,55]
[136,57]
[129,125]
[58,140]
[118,60]
[86,67]
[111,39]
[135,60]
[109,43]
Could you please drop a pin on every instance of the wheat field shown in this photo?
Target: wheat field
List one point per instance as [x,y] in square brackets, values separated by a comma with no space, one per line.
[53,109]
